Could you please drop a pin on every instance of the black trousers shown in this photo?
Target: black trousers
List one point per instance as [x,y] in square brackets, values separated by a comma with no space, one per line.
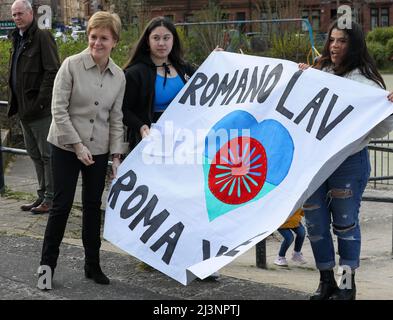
[66,168]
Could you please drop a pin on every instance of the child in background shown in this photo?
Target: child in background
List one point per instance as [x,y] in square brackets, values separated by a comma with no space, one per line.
[293,224]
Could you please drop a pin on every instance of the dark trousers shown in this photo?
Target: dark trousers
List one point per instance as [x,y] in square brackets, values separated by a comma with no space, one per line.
[288,239]
[66,168]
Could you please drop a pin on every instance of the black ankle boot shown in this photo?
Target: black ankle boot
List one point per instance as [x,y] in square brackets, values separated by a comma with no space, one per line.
[345,294]
[94,272]
[327,285]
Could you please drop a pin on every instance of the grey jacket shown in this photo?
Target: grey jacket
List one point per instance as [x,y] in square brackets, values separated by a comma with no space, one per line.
[86,106]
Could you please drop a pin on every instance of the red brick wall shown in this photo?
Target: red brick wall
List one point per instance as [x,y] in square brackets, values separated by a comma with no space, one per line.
[179,8]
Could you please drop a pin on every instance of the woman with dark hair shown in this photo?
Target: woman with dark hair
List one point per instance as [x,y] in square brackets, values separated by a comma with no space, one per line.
[337,201]
[155,73]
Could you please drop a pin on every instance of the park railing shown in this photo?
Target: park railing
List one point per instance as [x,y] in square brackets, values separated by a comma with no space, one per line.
[381,157]
[291,39]
[3,104]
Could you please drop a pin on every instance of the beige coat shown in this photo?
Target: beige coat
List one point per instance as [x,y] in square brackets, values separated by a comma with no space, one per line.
[86,106]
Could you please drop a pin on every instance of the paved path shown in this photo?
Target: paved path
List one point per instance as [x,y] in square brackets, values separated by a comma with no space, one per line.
[388,78]
[20,258]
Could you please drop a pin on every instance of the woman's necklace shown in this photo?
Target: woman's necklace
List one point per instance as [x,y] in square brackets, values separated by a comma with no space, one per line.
[167,70]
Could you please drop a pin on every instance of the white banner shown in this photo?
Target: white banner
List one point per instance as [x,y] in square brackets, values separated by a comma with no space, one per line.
[241,147]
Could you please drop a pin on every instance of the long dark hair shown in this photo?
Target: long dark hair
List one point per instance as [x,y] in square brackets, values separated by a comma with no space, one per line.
[357,56]
[141,49]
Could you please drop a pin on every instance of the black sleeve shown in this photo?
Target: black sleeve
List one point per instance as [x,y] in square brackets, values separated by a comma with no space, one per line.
[191,68]
[130,101]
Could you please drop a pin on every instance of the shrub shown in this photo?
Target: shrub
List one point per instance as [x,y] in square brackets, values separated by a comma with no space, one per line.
[119,55]
[381,35]
[290,45]
[190,46]
[128,38]
[70,47]
[5,47]
[380,45]
[378,52]
[389,49]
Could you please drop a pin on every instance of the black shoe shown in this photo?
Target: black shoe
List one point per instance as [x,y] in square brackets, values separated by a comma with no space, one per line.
[327,286]
[345,294]
[94,272]
[214,277]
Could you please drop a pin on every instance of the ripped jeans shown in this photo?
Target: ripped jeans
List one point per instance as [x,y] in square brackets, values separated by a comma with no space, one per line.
[337,202]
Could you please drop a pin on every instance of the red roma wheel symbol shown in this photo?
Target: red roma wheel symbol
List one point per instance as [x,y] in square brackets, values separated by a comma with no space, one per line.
[238,171]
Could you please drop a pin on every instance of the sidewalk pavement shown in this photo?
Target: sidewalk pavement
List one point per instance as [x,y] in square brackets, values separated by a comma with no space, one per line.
[374,278]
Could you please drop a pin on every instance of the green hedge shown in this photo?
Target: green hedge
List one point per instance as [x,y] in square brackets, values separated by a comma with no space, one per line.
[381,35]
[380,45]
[119,55]
[389,49]
[5,47]
[378,52]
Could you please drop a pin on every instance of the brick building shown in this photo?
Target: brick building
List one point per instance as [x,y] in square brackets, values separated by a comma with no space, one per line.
[370,13]
[5,7]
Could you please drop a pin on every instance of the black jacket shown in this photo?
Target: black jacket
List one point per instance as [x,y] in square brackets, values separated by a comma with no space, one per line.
[138,103]
[36,67]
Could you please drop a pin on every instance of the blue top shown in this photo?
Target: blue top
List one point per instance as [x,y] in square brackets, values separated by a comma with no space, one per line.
[165,95]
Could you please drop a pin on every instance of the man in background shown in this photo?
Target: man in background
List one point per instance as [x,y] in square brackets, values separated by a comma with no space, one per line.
[33,66]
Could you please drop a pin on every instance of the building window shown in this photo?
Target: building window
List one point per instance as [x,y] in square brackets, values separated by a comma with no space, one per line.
[188,18]
[385,17]
[374,18]
[241,16]
[169,17]
[379,17]
[316,19]
[333,14]
[305,16]
[225,17]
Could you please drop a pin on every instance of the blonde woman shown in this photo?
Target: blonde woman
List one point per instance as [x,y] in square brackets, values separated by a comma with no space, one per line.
[86,130]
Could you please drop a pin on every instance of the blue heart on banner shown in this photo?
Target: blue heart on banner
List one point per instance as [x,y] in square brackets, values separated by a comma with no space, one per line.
[243,161]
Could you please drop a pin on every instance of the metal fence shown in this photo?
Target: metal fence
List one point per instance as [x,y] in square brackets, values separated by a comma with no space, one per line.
[290,39]
[381,157]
